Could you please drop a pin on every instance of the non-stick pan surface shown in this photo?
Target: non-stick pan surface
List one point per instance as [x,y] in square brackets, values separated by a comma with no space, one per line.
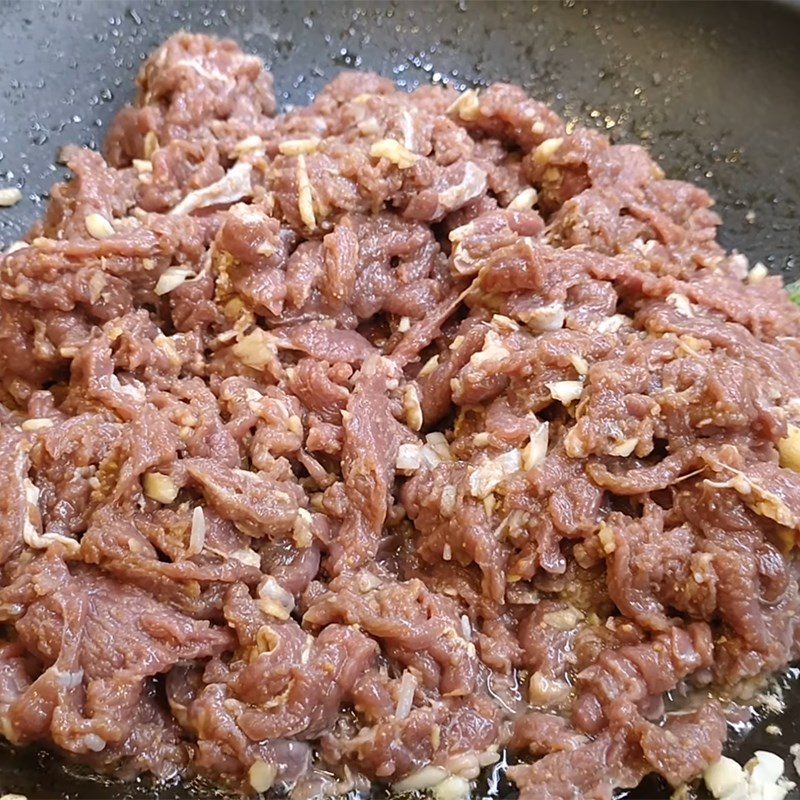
[713,89]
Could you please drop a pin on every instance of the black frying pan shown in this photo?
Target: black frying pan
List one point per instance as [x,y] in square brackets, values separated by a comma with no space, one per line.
[712,88]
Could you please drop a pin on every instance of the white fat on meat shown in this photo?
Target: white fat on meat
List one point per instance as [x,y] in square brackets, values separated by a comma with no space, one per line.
[234,185]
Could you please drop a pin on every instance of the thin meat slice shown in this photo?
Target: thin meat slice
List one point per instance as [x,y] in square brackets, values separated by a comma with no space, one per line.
[369,453]
[257,504]
[640,672]
[97,640]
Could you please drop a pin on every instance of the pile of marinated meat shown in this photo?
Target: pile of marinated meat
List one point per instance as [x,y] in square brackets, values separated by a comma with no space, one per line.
[366,442]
